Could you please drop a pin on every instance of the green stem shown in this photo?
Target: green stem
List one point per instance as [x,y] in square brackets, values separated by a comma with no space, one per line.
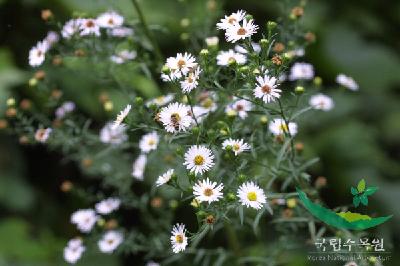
[147,32]
[232,238]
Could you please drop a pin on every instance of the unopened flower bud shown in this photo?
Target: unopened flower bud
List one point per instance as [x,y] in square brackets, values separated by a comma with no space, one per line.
[210,219]
[264,42]
[264,119]
[291,203]
[173,204]
[317,81]
[242,177]
[195,130]
[271,25]
[108,106]
[101,222]
[139,100]
[244,69]
[10,102]
[223,132]
[185,22]
[299,90]
[179,151]
[204,52]
[33,82]
[249,17]
[231,197]
[165,69]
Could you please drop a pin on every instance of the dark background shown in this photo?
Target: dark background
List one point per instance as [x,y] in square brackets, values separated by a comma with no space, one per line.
[359,139]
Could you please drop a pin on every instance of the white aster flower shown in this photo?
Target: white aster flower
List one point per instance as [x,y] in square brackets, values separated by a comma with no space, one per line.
[199,159]
[120,32]
[152,263]
[207,100]
[239,107]
[175,117]
[84,219]
[230,20]
[224,58]
[43,134]
[182,63]
[321,102]
[241,31]
[121,116]
[139,165]
[242,50]
[298,52]
[89,26]
[65,109]
[206,190]
[161,100]
[238,145]
[164,178]
[110,241]
[110,19]
[199,113]
[190,82]
[279,127]
[107,206]
[172,76]
[347,82]
[212,41]
[74,250]
[302,71]
[178,238]
[123,56]
[52,37]
[266,89]
[251,195]
[37,54]
[149,142]
[113,135]
[70,28]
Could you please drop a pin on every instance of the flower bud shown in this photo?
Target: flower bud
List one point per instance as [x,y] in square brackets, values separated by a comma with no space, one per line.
[244,69]
[228,148]
[212,41]
[299,90]
[204,52]
[291,203]
[317,81]
[195,203]
[231,197]
[271,25]
[201,213]
[264,119]
[223,132]
[139,100]
[165,69]
[179,151]
[173,204]
[33,82]
[185,22]
[249,17]
[195,130]
[210,219]
[264,42]
[242,177]
[101,222]
[10,102]
[108,106]
[46,14]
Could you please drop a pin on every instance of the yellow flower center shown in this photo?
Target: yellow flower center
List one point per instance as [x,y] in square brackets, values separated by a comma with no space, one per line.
[231,20]
[179,239]
[266,89]
[207,103]
[198,160]
[152,142]
[208,192]
[252,196]
[241,31]
[181,63]
[284,128]
[236,147]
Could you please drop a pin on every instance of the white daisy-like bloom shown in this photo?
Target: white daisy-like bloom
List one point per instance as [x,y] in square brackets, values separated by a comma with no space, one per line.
[107,206]
[74,250]
[120,32]
[191,82]
[123,56]
[212,41]
[110,241]
[43,134]
[238,145]
[353,263]
[321,102]
[301,71]
[110,19]
[239,107]
[224,58]
[37,54]
[266,89]
[70,28]
[149,142]
[229,21]
[160,100]
[113,135]
[208,191]
[89,26]
[175,117]
[279,127]
[139,165]
[242,50]
[164,178]
[121,116]
[52,37]
[65,109]
[251,195]
[172,76]
[199,159]
[347,82]
[181,63]
[299,52]
[241,31]
[178,238]
[152,263]
[84,219]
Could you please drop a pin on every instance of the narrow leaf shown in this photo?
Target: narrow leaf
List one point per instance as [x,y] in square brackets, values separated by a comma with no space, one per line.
[354,191]
[356,201]
[370,190]
[364,200]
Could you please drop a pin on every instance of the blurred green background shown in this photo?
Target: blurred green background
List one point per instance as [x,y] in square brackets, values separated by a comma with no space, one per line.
[359,139]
